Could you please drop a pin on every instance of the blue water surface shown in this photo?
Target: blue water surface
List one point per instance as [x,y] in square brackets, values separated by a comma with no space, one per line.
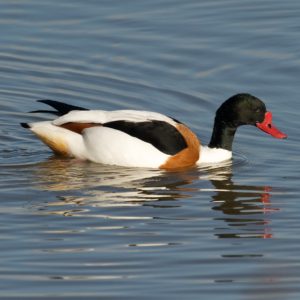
[79,230]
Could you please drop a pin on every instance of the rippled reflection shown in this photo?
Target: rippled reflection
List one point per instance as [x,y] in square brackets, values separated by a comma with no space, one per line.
[81,187]
[244,208]
[105,183]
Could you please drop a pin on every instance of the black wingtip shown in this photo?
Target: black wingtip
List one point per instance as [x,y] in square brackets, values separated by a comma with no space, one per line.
[46,101]
[25,125]
[62,108]
[53,112]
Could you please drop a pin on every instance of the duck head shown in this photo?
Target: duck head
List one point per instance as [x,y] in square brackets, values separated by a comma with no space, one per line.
[238,110]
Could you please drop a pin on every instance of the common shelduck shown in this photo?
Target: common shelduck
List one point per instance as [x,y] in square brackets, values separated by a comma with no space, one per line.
[135,138]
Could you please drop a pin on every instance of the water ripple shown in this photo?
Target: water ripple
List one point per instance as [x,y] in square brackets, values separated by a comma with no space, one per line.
[217,231]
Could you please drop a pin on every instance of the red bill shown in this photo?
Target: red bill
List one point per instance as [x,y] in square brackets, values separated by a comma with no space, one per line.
[267,126]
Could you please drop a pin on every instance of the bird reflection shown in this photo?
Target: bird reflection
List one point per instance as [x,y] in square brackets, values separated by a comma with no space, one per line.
[66,175]
[243,209]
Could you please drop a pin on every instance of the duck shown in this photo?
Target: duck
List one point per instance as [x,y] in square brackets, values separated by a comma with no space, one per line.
[137,138]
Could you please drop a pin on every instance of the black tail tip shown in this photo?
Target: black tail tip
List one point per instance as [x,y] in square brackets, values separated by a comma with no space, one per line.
[25,125]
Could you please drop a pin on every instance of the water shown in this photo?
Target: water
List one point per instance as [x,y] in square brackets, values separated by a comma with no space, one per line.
[78,230]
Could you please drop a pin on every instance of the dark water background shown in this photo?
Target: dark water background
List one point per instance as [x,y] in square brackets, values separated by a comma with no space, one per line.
[71,230]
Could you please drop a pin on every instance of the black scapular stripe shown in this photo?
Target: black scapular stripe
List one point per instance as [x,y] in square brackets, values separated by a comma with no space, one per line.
[160,134]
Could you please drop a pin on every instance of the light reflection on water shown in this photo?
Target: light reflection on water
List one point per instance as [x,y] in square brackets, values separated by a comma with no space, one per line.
[104,224]
[84,188]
